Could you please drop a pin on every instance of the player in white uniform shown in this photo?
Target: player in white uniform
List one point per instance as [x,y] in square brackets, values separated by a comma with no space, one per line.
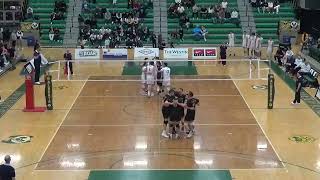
[270,48]
[252,44]
[231,42]
[166,72]
[150,77]
[143,78]
[245,39]
[258,44]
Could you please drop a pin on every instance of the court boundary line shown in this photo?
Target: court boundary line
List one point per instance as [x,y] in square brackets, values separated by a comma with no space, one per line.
[142,96]
[254,169]
[159,124]
[64,118]
[260,126]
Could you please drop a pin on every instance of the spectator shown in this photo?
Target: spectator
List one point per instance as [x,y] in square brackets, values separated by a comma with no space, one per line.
[223,54]
[270,48]
[56,34]
[262,6]
[154,40]
[197,33]
[276,6]
[180,10]
[177,1]
[204,12]
[13,38]
[235,17]
[224,4]
[36,46]
[221,15]
[7,172]
[195,11]
[180,32]
[80,20]
[29,12]
[254,3]
[278,56]
[114,2]
[270,7]
[210,11]
[204,32]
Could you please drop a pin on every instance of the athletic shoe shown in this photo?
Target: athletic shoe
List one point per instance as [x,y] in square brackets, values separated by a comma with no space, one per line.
[37,83]
[293,103]
[164,134]
[190,135]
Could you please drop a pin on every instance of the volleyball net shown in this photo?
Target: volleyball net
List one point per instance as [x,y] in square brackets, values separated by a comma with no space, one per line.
[181,70]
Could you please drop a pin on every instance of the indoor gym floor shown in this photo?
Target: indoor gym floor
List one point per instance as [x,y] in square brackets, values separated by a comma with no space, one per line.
[229,137]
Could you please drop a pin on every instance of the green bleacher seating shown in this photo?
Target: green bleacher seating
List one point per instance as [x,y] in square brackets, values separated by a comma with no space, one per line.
[217,33]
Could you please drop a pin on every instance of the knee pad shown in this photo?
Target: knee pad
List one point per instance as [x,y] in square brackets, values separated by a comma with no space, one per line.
[165,122]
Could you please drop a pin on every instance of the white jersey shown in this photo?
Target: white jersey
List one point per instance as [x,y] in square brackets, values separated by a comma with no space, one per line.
[270,46]
[231,39]
[258,43]
[247,41]
[143,74]
[252,42]
[150,74]
[166,71]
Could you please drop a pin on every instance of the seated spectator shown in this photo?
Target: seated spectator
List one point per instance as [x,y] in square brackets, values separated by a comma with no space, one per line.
[210,11]
[221,16]
[114,2]
[107,16]
[177,1]
[180,32]
[29,12]
[204,32]
[203,12]
[56,34]
[227,14]
[197,33]
[253,3]
[184,21]
[276,6]
[235,17]
[270,7]
[180,10]
[224,4]
[195,11]
[262,6]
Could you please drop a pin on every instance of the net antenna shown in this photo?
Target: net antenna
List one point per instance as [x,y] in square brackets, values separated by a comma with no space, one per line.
[181,70]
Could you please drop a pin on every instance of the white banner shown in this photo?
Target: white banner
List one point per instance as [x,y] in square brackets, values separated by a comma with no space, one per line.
[115,54]
[204,53]
[141,53]
[175,53]
[87,54]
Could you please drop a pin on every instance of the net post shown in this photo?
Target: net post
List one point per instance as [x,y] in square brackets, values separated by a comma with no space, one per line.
[59,66]
[68,70]
[271,90]
[250,70]
[259,69]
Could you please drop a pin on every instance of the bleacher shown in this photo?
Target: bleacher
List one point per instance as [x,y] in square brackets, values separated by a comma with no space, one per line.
[121,7]
[267,24]
[217,33]
[43,10]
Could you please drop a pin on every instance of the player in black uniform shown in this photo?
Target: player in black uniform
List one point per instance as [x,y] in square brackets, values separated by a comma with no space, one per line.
[159,77]
[181,100]
[174,118]
[167,103]
[191,113]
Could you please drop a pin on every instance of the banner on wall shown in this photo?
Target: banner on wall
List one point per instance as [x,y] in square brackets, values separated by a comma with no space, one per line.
[175,53]
[141,53]
[204,53]
[87,54]
[115,54]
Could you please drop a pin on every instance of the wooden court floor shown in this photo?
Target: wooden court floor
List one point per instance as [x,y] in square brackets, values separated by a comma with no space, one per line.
[111,126]
[118,135]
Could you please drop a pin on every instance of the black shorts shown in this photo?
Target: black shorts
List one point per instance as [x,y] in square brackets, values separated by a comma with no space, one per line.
[190,116]
[181,113]
[165,113]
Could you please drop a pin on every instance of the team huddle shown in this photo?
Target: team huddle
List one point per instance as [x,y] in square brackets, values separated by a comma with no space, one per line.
[178,108]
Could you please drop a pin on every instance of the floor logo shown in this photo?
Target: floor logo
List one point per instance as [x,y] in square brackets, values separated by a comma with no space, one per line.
[302,139]
[260,87]
[18,139]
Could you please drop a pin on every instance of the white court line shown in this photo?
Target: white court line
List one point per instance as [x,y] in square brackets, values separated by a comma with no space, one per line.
[129,125]
[259,125]
[136,96]
[60,124]
[153,169]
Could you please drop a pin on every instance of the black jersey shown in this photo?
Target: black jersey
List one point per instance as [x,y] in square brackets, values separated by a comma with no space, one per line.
[166,109]
[159,73]
[174,113]
[191,103]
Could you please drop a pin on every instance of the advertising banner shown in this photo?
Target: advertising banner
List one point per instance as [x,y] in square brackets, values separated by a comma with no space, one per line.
[82,54]
[141,53]
[121,54]
[204,53]
[175,53]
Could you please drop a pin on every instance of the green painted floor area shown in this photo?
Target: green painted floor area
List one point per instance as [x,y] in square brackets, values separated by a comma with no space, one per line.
[307,98]
[160,175]
[177,68]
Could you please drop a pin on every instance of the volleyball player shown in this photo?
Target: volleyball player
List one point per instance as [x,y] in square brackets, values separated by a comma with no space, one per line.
[167,102]
[191,113]
[174,119]
[181,100]
[150,78]
[159,77]
[143,78]
[166,72]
